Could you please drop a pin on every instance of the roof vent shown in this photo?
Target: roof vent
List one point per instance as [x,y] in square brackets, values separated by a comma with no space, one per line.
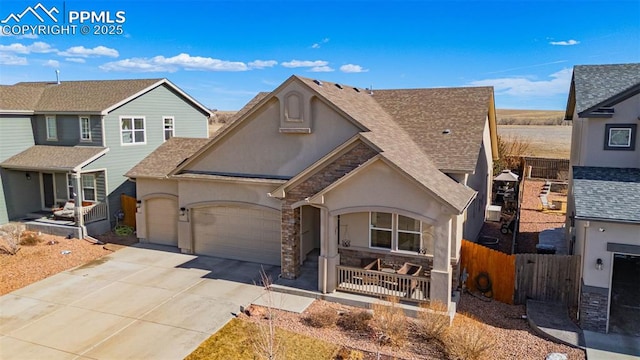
[58,77]
[338,86]
[446,131]
[356,89]
[318,82]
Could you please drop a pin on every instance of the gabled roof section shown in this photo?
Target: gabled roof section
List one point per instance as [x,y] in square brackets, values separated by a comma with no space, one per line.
[166,157]
[16,99]
[596,86]
[63,158]
[607,194]
[447,123]
[92,96]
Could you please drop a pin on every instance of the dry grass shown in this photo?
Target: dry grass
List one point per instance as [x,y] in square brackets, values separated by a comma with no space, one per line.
[530,117]
[234,341]
[30,238]
[355,321]
[10,236]
[468,339]
[433,321]
[545,141]
[509,151]
[326,317]
[390,323]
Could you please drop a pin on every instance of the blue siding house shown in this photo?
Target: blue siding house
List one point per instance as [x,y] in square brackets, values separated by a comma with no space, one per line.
[75,141]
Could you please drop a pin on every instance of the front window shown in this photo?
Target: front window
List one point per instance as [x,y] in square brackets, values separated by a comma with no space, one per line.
[409,234]
[381,229]
[168,128]
[132,130]
[70,191]
[85,128]
[52,127]
[89,187]
[620,136]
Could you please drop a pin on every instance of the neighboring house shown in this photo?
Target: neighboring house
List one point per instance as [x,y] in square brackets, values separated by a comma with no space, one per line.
[604,191]
[76,139]
[317,168]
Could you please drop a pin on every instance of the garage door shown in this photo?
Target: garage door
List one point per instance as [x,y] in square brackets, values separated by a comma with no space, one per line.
[238,233]
[162,221]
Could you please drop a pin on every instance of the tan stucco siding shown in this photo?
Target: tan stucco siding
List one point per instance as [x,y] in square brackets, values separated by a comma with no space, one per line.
[206,193]
[595,247]
[258,147]
[149,187]
[392,191]
[593,138]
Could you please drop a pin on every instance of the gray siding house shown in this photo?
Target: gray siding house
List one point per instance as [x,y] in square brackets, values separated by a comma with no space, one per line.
[75,140]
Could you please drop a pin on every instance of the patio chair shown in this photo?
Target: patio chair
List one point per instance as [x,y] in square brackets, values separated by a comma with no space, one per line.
[371,264]
[66,212]
[406,269]
[410,269]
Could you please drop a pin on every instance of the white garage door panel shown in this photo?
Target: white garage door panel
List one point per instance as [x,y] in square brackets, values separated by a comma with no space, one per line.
[238,233]
[162,221]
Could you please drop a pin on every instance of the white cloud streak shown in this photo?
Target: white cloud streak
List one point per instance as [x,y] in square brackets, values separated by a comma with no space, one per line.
[304,63]
[11,59]
[52,63]
[37,47]
[76,60]
[172,64]
[318,45]
[81,51]
[565,42]
[352,68]
[321,69]
[261,64]
[521,86]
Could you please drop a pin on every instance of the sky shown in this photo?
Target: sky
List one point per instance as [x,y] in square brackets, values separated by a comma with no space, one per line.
[224,52]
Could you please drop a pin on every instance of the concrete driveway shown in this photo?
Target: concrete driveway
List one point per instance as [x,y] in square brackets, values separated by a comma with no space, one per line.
[143,302]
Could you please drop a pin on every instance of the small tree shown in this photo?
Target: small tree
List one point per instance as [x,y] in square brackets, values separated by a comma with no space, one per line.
[266,344]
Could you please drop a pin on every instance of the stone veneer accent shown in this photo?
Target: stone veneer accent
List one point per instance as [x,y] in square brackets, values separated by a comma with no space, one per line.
[317,182]
[353,258]
[594,302]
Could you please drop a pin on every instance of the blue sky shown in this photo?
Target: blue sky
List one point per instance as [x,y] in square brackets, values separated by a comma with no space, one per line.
[223,52]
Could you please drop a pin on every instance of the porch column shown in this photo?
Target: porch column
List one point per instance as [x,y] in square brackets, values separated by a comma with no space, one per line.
[77,186]
[441,272]
[329,257]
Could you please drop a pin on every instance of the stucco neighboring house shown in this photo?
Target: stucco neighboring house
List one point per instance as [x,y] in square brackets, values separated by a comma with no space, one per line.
[335,172]
[75,140]
[603,214]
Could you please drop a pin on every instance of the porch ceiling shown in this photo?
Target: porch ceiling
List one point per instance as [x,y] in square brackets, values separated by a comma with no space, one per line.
[62,158]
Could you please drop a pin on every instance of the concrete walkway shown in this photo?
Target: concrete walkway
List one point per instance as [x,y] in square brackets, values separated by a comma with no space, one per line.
[143,302]
[552,321]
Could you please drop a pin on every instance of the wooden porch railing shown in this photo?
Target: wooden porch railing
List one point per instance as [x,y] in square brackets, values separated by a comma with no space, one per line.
[383,284]
[97,212]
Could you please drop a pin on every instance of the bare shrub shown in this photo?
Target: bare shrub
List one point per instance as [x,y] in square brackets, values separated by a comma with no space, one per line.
[30,238]
[326,317]
[390,323]
[355,321]
[266,342]
[10,238]
[433,320]
[349,354]
[468,339]
[509,151]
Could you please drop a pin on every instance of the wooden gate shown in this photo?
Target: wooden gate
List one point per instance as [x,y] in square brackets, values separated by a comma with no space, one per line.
[128,204]
[499,266]
[548,278]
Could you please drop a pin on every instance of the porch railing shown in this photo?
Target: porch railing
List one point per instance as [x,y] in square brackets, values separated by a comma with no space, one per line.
[95,213]
[383,284]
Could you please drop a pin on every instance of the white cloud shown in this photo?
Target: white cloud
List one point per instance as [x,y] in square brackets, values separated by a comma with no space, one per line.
[10,59]
[76,60]
[172,64]
[565,43]
[52,63]
[352,68]
[36,47]
[318,45]
[321,69]
[304,63]
[526,86]
[315,46]
[81,51]
[261,64]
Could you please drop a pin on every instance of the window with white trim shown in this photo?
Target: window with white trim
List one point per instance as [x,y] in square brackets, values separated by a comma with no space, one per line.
[169,129]
[132,130]
[620,136]
[380,230]
[70,192]
[85,128]
[52,127]
[89,187]
[409,234]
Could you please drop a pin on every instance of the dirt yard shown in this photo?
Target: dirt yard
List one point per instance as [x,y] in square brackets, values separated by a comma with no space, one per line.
[550,141]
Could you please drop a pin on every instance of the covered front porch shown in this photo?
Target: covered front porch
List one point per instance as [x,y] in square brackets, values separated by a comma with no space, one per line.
[56,195]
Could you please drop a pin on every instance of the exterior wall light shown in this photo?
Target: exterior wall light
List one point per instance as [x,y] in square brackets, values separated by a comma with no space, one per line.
[183,211]
[139,203]
[599,264]
[28,176]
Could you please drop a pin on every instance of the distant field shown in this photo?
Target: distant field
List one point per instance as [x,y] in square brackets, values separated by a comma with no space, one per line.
[530,117]
[546,141]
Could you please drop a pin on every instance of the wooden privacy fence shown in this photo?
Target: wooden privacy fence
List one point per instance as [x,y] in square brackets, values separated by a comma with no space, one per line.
[499,266]
[547,278]
[543,168]
[128,204]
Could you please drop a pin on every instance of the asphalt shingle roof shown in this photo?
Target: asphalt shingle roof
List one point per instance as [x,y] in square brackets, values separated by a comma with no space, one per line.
[19,98]
[74,96]
[48,157]
[166,157]
[594,84]
[607,193]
